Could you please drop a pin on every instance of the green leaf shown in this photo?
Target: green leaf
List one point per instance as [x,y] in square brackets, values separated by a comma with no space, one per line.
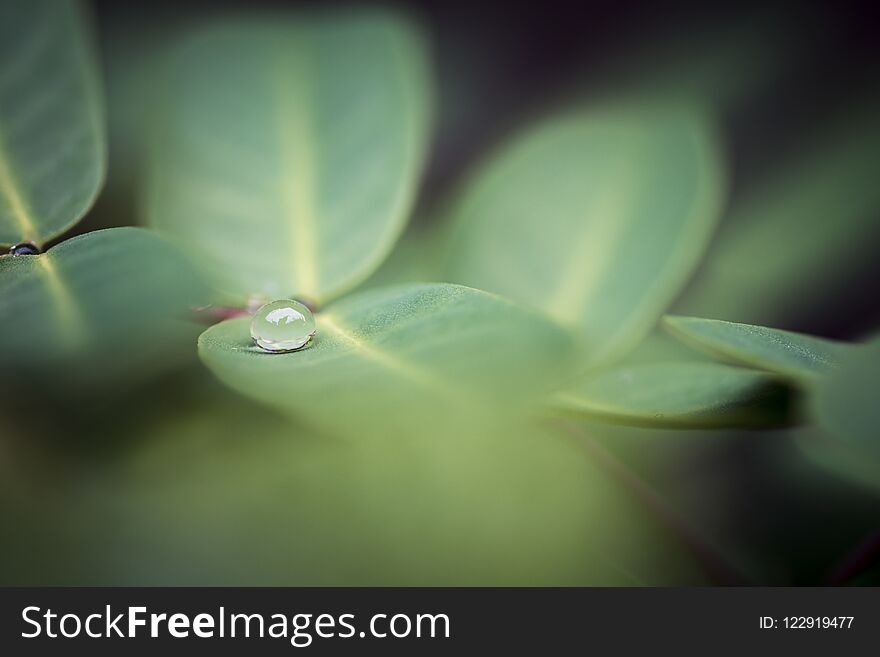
[52,145]
[420,350]
[679,394]
[803,235]
[516,504]
[661,347]
[413,260]
[845,403]
[94,304]
[597,217]
[288,152]
[793,355]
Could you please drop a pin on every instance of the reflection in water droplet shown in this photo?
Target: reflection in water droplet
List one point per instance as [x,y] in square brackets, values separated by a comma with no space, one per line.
[282,326]
[25,248]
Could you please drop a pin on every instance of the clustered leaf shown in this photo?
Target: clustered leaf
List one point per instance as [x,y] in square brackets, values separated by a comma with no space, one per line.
[121,290]
[285,156]
[595,218]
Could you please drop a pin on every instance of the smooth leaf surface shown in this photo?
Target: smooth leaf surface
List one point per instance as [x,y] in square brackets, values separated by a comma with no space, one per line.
[679,394]
[661,347]
[52,144]
[391,357]
[413,260]
[794,355]
[802,237]
[93,304]
[597,217]
[286,154]
[846,402]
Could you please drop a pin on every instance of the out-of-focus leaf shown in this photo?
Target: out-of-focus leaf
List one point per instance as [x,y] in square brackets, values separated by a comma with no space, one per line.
[392,357]
[414,260]
[798,240]
[52,150]
[597,217]
[851,462]
[793,355]
[846,402]
[682,394]
[726,63]
[230,493]
[660,347]
[287,154]
[94,304]
[131,46]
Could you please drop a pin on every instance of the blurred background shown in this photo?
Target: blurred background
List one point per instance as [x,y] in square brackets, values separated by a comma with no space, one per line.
[796,91]
[792,86]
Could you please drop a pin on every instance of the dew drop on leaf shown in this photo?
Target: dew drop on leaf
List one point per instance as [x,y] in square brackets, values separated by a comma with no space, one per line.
[25,248]
[283,325]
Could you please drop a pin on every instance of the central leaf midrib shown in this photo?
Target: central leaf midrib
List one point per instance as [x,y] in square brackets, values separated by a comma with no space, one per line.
[604,223]
[389,362]
[297,164]
[67,310]
[18,205]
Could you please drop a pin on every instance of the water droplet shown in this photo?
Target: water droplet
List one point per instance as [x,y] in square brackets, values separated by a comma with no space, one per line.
[25,248]
[284,325]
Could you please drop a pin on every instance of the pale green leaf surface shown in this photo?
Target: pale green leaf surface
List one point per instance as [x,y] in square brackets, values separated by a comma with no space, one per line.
[661,347]
[597,217]
[52,144]
[679,394]
[847,403]
[391,357]
[413,260]
[793,355]
[287,154]
[94,303]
